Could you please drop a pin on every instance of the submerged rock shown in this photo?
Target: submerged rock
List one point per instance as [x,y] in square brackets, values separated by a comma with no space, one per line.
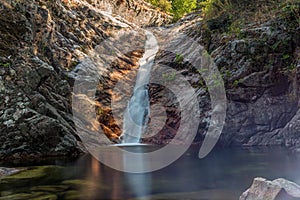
[201,195]
[27,196]
[42,174]
[7,171]
[279,189]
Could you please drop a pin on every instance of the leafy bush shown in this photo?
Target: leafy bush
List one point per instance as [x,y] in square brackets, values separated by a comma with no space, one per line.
[214,8]
[181,7]
[164,5]
[177,8]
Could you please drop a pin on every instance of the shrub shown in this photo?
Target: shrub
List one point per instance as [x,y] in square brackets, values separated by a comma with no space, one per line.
[177,8]
[164,5]
[181,7]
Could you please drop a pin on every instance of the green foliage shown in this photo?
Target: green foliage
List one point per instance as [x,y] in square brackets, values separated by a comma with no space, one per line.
[179,58]
[291,8]
[164,5]
[292,67]
[285,56]
[181,7]
[177,8]
[236,27]
[201,83]
[214,8]
[202,71]
[275,46]
[5,64]
[236,82]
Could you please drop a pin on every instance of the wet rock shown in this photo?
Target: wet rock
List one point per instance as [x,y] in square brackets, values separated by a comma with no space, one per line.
[50,188]
[78,183]
[26,196]
[90,187]
[40,175]
[7,171]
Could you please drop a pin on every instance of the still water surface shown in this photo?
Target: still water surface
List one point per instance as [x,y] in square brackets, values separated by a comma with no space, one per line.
[223,174]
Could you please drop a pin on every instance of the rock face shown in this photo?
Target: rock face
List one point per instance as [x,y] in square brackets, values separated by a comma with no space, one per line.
[261,73]
[279,189]
[136,11]
[260,69]
[41,42]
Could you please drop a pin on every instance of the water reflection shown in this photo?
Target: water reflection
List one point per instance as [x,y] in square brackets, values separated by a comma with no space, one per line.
[120,185]
[140,184]
[224,172]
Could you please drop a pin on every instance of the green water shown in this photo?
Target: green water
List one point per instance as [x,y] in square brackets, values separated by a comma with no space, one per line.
[224,174]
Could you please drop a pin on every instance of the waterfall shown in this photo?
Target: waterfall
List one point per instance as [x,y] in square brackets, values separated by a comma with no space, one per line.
[137,113]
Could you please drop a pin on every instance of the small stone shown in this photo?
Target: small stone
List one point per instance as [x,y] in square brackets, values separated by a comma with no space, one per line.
[9,123]
[7,99]
[2,87]
[12,72]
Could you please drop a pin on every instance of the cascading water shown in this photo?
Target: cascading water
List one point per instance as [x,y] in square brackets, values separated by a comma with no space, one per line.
[137,113]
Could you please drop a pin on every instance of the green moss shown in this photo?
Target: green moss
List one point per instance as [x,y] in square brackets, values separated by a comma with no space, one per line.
[6,193]
[79,183]
[28,174]
[73,194]
[30,196]
[35,175]
[76,182]
[50,188]
[45,197]
[89,187]
[36,172]
[19,196]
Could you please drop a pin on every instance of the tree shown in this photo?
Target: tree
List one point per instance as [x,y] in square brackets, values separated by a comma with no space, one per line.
[164,5]
[181,7]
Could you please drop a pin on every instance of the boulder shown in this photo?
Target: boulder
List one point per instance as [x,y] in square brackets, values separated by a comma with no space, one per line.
[279,189]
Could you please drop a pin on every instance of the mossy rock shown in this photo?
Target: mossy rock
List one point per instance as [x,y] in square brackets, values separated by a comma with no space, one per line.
[79,194]
[30,196]
[46,197]
[50,188]
[28,174]
[72,194]
[79,183]
[6,193]
[34,175]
